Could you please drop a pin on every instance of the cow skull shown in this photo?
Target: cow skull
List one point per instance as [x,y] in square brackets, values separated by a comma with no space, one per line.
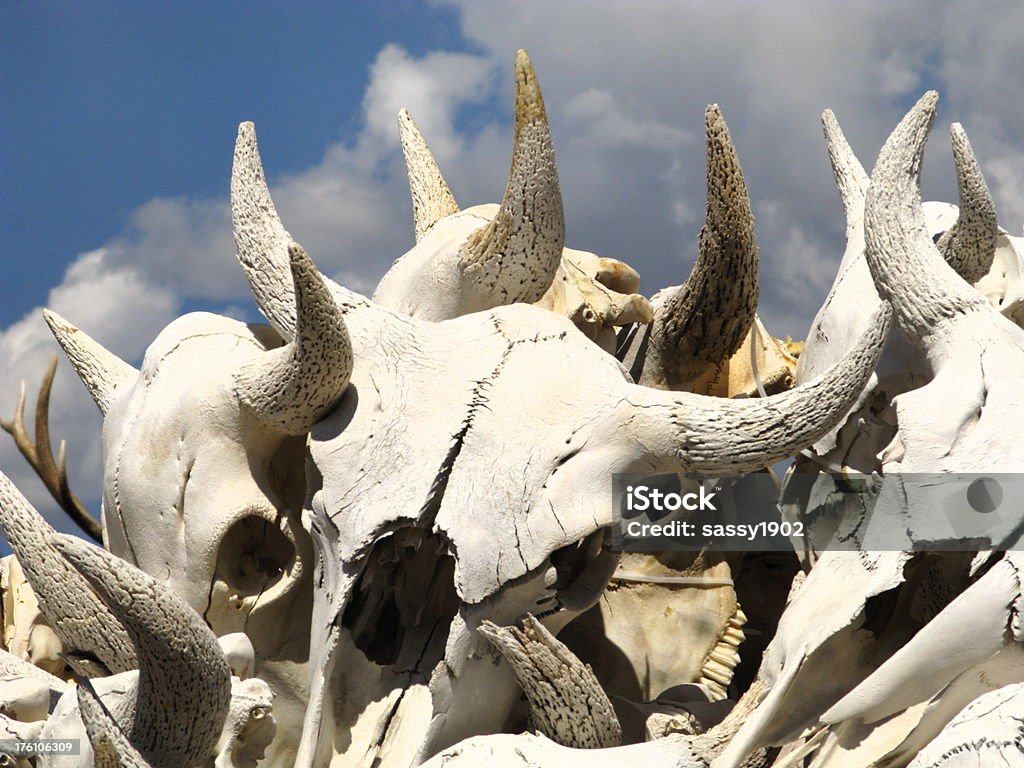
[422,531]
[204,454]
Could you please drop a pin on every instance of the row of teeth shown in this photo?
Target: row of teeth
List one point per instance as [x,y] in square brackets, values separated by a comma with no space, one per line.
[718,668]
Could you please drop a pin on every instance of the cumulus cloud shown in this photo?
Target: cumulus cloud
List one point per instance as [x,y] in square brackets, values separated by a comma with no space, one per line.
[626,87]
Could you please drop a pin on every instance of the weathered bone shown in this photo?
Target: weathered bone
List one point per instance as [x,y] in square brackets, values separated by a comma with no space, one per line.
[850,175]
[93,639]
[260,237]
[957,422]
[701,324]
[27,693]
[111,748]
[431,198]
[292,387]
[201,494]
[536,751]
[522,245]
[987,732]
[904,263]
[941,651]
[25,632]
[969,245]
[486,257]
[675,430]
[567,703]
[639,426]
[102,372]
[184,684]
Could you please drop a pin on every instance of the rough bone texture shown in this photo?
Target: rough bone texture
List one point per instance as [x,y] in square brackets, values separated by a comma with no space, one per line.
[567,703]
[86,628]
[431,198]
[184,684]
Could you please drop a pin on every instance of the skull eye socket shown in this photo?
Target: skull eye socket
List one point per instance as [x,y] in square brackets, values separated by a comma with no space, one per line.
[254,555]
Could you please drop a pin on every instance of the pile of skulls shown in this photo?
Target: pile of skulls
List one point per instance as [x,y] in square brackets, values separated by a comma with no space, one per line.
[350,537]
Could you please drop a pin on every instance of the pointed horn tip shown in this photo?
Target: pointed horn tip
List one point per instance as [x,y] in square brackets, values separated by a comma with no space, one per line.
[928,102]
[57,324]
[246,130]
[297,256]
[404,116]
[529,102]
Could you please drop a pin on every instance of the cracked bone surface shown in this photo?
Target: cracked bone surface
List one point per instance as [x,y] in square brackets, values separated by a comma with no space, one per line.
[362,497]
[421,534]
[890,625]
[204,483]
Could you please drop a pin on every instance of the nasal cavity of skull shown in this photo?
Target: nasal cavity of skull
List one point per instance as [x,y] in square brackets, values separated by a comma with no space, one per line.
[404,601]
[253,556]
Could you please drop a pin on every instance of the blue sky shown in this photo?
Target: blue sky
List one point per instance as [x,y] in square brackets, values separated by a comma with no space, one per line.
[110,104]
[119,120]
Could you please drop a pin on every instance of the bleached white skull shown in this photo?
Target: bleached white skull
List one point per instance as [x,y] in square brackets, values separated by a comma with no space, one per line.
[463,477]
[204,451]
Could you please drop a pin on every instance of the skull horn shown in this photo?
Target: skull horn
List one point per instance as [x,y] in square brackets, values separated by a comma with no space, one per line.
[907,267]
[431,198]
[969,246]
[102,372]
[261,241]
[713,434]
[707,318]
[850,175]
[184,685]
[292,387]
[515,257]
[93,640]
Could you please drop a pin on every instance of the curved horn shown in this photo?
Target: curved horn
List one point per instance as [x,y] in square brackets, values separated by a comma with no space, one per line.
[969,246]
[102,372]
[567,703]
[94,642]
[713,434]
[293,386]
[184,686]
[708,318]
[515,256]
[261,241]
[431,198]
[907,268]
[850,176]
[110,746]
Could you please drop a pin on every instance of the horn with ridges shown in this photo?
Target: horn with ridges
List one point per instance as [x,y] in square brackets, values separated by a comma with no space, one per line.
[293,386]
[851,178]
[261,241]
[514,258]
[969,246]
[431,198]
[184,686]
[102,372]
[93,639]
